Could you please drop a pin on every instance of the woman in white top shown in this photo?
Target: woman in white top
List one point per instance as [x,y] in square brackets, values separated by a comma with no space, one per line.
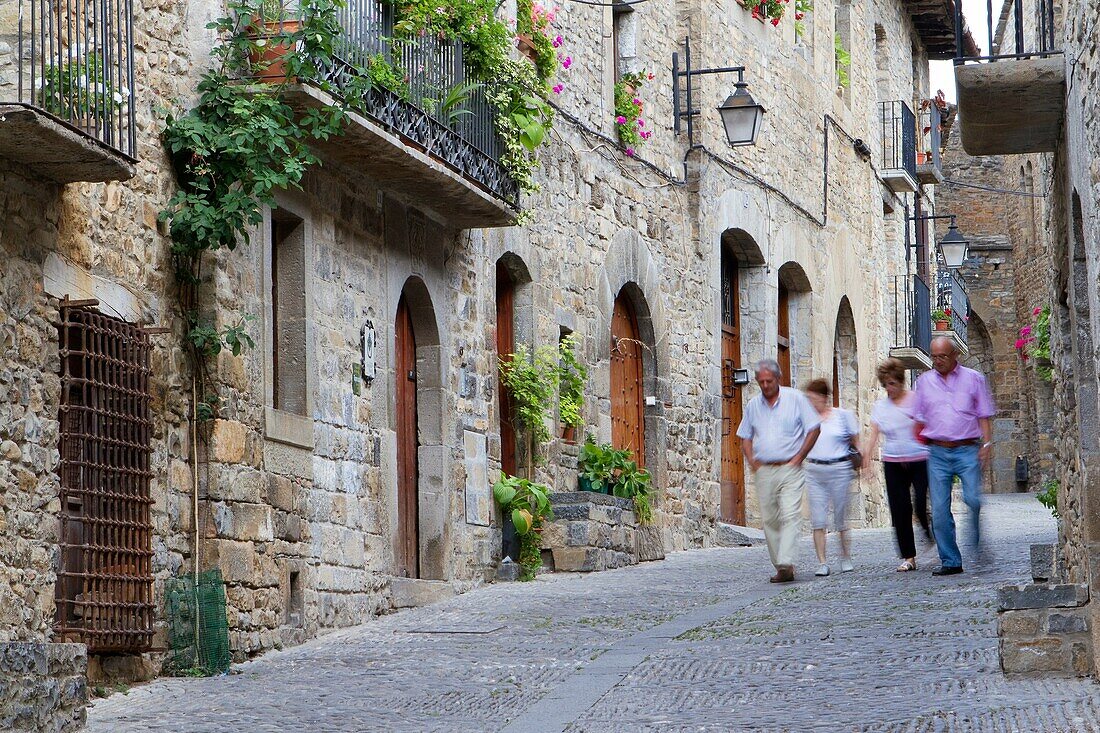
[904,459]
[829,473]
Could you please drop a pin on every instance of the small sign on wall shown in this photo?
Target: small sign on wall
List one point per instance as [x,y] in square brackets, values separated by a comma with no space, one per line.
[369,340]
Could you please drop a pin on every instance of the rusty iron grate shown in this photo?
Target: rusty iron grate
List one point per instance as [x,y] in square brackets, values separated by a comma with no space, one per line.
[105,581]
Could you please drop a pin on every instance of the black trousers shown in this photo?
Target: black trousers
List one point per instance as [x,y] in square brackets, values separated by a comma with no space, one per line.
[900,477]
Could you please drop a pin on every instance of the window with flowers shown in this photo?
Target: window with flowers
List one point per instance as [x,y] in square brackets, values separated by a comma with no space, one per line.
[1034,342]
[629,108]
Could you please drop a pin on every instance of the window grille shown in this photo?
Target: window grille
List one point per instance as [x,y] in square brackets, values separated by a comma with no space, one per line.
[105,579]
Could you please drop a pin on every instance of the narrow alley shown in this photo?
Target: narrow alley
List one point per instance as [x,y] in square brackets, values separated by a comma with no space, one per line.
[697,642]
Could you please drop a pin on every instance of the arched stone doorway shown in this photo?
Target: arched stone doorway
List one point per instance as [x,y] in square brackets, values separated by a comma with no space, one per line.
[420,536]
[627,378]
[740,254]
[793,320]
[845,358]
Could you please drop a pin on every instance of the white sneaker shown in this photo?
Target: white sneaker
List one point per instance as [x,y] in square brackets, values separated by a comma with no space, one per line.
[822,570]
[846,566]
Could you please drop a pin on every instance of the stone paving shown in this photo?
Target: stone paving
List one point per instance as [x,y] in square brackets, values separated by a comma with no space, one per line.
[698,642]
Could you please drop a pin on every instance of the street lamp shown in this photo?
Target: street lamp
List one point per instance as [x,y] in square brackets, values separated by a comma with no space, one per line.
[954,246]
[741,114]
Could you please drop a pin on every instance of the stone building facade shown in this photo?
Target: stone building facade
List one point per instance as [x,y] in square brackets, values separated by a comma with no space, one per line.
[292,490]
[1052,135]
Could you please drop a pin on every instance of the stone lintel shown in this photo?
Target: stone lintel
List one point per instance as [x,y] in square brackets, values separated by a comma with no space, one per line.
[1035,595]
[1011,106]
[54,150]
[368,149]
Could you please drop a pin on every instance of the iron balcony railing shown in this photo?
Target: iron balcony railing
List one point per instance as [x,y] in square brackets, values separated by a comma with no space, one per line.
[457,129]
[1037,41]
[74,59]
[931,122]
[952,294]
[912,313]
[899,126]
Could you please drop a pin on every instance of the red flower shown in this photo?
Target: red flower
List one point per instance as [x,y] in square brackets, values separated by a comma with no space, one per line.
[775,21]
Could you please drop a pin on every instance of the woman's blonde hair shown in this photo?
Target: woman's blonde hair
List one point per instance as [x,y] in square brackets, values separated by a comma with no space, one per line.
[890,369]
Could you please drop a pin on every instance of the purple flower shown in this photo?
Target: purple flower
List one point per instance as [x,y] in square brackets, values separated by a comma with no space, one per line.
[558,88]
[1025,331]
[630,152]
[557,42]
[641,123]
[568,62]
[637,101]
[620,120]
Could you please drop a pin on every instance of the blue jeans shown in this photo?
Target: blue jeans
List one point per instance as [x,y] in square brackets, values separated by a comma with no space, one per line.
[943,465]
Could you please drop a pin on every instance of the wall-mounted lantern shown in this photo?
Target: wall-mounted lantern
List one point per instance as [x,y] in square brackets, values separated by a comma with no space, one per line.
[741,114]
[954,246]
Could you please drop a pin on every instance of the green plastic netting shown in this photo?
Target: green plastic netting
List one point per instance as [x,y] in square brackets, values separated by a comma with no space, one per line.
[192,608]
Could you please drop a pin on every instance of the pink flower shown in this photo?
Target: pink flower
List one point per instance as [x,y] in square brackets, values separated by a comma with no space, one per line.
[637,102]
[630,152]
[567,62]
[1037,311]
[641,123]
[646,134]
[558,88]
[1020,343]
[557,42]
[620,120]
[1025,331]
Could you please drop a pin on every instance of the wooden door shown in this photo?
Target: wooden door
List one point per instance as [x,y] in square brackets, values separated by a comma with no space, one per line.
[627,395]
[733,466]
[408,510]
[784,337]
[506,344]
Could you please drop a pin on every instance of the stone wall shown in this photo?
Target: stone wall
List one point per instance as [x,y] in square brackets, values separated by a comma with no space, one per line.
[42,687]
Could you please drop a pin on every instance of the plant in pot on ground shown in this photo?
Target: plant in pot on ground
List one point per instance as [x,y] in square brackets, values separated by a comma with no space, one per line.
[606,470]
[527,504]
[572,376]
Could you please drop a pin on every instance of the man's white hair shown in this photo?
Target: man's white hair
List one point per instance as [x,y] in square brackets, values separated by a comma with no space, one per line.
[769,365]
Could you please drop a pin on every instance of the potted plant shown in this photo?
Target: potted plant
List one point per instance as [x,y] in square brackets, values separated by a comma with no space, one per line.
[527,504]
[923,157]
[942,318]
[272,32]
[80,91]
[605,470]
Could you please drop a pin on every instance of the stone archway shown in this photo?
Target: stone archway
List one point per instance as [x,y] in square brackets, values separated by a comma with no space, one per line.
[794,322]
[421,537]
[845,358]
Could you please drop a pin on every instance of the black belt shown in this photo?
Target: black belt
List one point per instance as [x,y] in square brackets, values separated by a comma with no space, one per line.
[827,461]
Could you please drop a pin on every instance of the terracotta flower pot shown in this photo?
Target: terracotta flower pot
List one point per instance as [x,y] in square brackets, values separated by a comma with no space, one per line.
[268,59]
[943,325]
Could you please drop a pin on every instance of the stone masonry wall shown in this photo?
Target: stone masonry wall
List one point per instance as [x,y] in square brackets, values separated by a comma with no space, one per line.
[42,687]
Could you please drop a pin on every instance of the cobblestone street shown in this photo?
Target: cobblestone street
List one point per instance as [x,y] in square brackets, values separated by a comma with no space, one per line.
[698,642]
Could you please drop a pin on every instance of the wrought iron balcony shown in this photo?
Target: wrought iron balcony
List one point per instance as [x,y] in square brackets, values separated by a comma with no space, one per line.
[445,157]
[898,167]
[929,164]
[951,295]
[1013,100]
[67,89]
[912,322]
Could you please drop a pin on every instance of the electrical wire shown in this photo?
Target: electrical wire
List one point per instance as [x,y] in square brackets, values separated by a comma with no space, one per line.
[993,189]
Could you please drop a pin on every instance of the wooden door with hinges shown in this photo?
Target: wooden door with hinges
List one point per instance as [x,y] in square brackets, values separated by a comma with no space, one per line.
[732,508]
[627,393]
[783,339]
[407,545]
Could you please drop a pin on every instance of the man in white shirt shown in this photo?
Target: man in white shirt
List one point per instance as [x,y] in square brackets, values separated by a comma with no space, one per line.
[777,431]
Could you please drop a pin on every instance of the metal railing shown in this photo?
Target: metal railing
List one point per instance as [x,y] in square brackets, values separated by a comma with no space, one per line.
[74,59]
[931,120]
[952,295]
[899,127]
[431,104]
[912,313]
[1040,45]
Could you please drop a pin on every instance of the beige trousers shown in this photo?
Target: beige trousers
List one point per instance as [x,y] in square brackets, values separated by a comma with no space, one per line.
[779,491]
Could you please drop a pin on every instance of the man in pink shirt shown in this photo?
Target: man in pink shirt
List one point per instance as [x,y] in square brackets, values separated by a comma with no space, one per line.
[952,411]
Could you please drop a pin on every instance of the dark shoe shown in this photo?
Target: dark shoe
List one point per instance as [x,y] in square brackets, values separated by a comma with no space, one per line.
[941,570]
[783,574]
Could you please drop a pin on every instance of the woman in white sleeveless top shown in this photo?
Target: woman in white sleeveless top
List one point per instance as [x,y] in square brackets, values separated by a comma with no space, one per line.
[904,460]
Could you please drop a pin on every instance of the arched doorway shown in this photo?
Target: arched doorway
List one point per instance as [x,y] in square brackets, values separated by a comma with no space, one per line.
[421,508]
[408,444]
[793,321]
[733,466]
[845,358]
[627,375]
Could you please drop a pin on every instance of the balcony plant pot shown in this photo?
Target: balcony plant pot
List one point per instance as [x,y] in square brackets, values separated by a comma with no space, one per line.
[268,56]
[743,5]
[924,158]
[526,47]
[943,325]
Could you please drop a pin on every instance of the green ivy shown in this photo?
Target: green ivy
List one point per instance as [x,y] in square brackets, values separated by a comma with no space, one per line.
[532,380]
[843,62]
[1040,347]
[1048,497]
